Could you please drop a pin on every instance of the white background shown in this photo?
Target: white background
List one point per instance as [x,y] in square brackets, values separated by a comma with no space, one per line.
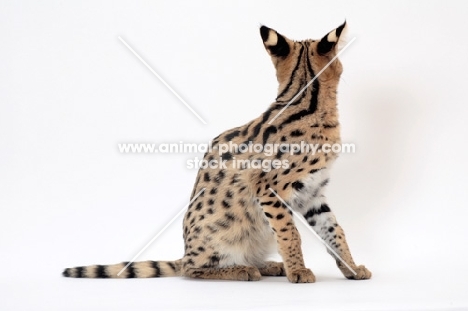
[70,91]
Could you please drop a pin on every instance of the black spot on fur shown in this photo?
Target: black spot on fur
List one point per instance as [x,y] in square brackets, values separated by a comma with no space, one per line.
[324,208]
[222,224]
[329,126]
[235,179]
[245,131]
[206,177]
[231,135]
[312,212]
[297,133]
[268,215]
[230,216]
[226,156]
[268,131]
[298,185]
[296,116]
[171,265]
[214,260]
[258,126]
[220,176]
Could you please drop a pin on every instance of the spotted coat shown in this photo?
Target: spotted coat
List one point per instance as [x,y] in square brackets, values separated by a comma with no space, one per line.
[240,213]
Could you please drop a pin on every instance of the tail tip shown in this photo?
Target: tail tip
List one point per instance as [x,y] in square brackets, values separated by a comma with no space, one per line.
[66,272]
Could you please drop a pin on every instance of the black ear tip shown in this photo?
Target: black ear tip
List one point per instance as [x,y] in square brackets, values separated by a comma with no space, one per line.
[264,32]
[340,28]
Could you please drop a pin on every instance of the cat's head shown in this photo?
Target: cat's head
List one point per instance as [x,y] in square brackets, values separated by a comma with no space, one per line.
[298,62]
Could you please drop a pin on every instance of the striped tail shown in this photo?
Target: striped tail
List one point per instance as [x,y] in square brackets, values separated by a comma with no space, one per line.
[141,269]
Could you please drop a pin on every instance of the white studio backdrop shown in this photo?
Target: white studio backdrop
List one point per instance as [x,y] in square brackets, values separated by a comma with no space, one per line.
[70,91]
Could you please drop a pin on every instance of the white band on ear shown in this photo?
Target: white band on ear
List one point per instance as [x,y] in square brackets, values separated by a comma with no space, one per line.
[272,38]
[332,36]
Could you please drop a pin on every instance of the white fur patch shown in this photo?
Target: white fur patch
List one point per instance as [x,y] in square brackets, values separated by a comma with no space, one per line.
[332,36]
[311,195]
[272,38]
[253,251]
[322,222]
[343,36]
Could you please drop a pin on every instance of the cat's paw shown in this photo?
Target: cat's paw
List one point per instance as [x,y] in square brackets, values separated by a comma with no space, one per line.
[361,273]
[273,269]
[249,274]
[303,275]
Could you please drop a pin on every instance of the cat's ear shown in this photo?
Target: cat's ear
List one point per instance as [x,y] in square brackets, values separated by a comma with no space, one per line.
[328,43]
[276,44]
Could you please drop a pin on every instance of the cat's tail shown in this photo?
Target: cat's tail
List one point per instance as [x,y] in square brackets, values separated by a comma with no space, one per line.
[141,269]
